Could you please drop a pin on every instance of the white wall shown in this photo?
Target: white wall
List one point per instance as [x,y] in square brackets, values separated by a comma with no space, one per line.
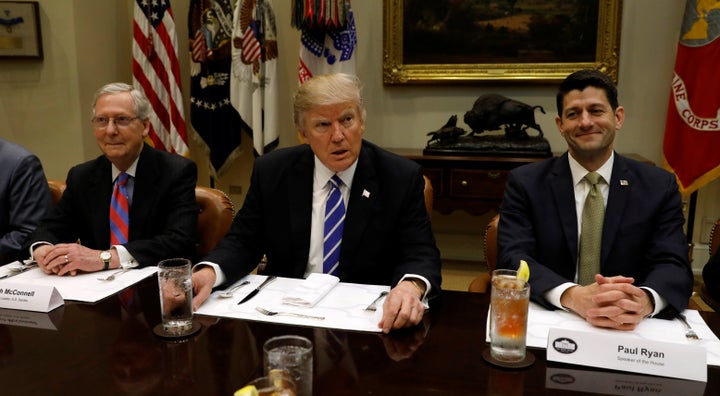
[46,105]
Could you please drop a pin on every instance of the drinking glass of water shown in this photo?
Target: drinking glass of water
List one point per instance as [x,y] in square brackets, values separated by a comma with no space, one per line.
[293,354]
[174,281]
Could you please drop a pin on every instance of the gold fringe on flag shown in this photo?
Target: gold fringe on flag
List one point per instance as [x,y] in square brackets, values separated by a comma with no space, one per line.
[320,14]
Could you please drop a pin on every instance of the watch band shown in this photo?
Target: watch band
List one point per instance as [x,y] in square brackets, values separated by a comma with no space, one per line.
[106,262]
[416,282]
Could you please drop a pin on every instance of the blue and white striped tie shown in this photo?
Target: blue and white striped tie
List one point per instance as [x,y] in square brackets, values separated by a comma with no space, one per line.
[334,221]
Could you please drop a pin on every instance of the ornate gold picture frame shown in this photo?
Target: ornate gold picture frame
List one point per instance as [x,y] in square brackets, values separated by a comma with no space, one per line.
[465,41]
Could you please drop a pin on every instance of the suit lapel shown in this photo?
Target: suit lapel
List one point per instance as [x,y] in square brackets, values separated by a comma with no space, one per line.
[146,177]
[564,194]
[363,194]
[620,187]
[99,208]
[299,199]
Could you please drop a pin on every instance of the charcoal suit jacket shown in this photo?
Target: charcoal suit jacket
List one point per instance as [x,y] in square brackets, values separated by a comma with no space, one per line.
[24,198]
[163,214]
[387,230]
[642,233]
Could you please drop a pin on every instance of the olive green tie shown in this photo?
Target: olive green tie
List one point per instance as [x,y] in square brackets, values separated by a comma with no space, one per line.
[591,231]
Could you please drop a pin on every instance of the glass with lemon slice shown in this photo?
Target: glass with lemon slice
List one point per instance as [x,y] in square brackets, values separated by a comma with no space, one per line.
[509,302]
[276,383]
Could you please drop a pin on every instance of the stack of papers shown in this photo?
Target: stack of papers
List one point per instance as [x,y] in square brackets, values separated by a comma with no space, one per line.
[84,287]
[343,307]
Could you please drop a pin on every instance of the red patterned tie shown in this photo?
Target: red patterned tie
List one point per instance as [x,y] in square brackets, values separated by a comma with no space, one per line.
[119,212]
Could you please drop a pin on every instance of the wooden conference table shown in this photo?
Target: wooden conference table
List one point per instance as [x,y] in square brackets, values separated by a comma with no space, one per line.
[109,348]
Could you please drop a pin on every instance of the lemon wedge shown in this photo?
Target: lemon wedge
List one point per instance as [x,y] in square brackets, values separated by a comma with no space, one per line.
[523,271]
[249,390]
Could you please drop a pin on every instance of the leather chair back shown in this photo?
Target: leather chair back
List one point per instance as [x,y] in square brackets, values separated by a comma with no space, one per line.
[428,195]
[715,238]
[216,213]
[57,188]
[713,245]
[482,282]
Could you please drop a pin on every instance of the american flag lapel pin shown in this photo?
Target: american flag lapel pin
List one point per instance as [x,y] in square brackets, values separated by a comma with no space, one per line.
[624,182]
[366,193]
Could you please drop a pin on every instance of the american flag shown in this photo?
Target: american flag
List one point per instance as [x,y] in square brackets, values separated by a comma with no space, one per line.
[250,46]
[156,72]
[253,83]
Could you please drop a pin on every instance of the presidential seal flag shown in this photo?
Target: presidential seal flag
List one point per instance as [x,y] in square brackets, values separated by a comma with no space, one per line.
[692,130]
[156,72]
[253,85]
[210,25]
[328,40]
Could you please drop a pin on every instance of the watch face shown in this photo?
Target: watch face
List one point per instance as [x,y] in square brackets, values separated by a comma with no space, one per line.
[105,255]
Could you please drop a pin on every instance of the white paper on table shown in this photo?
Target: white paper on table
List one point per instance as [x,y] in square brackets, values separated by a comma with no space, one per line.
[343,307]
[540,320]
[311,290]
[84,287]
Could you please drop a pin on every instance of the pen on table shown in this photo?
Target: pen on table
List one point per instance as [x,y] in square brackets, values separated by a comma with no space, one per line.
[257,289]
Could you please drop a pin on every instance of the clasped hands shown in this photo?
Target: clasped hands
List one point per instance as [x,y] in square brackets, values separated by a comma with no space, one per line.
[67,258]
[611,302]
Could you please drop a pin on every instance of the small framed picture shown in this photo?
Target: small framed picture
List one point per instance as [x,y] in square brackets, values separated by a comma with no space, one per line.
[20,36]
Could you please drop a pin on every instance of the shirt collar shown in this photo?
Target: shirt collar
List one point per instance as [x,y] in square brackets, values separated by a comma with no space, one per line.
[578,171]
[323,174]
[130,171]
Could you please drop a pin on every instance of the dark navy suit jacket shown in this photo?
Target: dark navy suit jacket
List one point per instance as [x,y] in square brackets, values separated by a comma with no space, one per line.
[387,232]
[642,234]
[163,214]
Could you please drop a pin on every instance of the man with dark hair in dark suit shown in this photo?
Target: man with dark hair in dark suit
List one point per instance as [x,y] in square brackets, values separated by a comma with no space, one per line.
[159,196]
[642,266]
[386,238]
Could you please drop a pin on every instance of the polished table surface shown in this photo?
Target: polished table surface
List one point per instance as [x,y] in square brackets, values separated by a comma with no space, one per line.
[109,348]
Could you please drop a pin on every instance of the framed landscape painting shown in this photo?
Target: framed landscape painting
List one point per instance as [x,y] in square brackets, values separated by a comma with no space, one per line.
[461,41]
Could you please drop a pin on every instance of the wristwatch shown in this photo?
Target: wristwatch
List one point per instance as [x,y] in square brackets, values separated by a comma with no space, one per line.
[105,256]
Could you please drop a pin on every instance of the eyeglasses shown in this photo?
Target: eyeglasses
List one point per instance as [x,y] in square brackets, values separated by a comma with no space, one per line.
[120,121]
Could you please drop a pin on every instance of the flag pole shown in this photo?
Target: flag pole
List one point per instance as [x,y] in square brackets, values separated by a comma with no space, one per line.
[691,216]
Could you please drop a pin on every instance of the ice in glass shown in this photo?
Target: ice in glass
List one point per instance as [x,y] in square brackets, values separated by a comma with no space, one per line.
[509,301]
[174,278]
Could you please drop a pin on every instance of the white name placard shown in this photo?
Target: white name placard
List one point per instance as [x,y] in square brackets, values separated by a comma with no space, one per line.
[37,298]
[620,352]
